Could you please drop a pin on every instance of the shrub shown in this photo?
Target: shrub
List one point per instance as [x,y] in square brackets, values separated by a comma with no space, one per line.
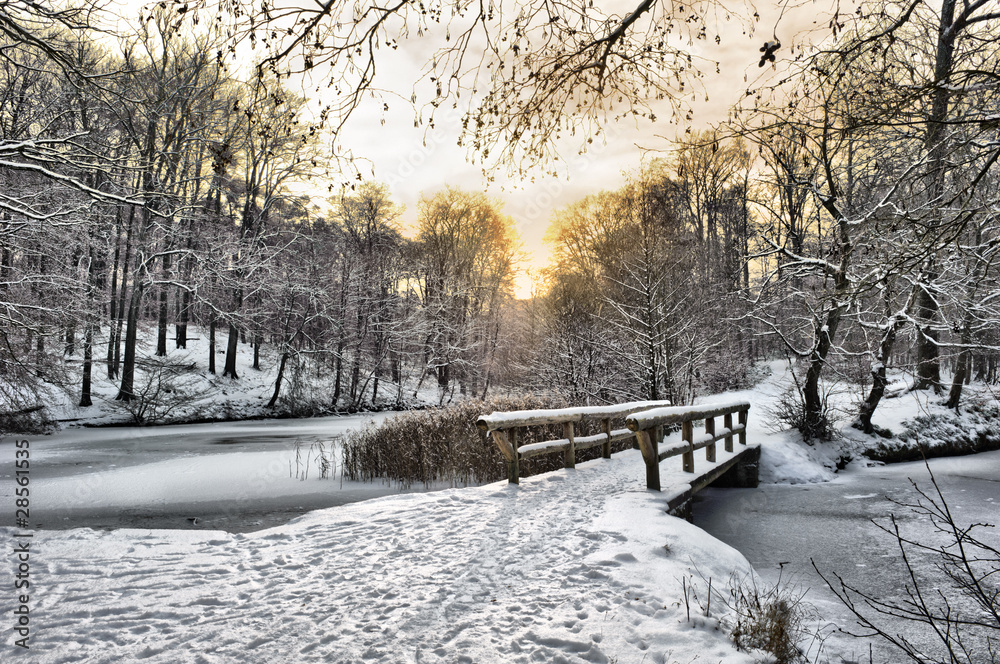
[161,389]
[789,411]
[443,445]
[732,373]
[772,619]
[32,419]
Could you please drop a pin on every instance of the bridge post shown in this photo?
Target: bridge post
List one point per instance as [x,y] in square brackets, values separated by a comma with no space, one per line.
[743,432]
[513,465]
[727,422]
[651,456]
[710,430]
[569,457]
[687,435]
[606,445]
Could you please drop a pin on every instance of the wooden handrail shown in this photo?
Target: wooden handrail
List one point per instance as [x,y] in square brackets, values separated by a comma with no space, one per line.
[648,424]
[504,429]
[645,420]
[527,418]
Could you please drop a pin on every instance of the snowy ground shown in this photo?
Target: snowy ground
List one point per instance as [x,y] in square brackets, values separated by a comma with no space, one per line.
[574,566]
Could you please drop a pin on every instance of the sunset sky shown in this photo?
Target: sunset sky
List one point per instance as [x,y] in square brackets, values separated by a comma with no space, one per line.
[411,163]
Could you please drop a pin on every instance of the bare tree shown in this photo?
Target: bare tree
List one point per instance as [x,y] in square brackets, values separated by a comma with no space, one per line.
[466,253]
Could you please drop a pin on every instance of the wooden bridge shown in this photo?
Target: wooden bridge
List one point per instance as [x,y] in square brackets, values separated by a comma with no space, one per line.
[646,421]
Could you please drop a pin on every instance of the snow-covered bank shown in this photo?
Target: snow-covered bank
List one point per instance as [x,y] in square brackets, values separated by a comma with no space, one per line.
[190,394]
[574,566]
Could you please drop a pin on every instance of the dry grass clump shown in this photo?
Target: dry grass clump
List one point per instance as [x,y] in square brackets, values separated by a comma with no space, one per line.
[443,446]
[771,619]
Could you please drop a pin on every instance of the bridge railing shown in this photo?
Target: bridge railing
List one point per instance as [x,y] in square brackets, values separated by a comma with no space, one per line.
[648,428]
[504,428]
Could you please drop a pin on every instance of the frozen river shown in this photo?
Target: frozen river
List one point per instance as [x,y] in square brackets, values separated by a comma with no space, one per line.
[781,528]
[234,476]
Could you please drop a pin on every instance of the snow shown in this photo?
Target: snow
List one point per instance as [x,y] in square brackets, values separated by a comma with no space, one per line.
[572,566]
[650,418]
[578,565]
[208,396]
[517,417]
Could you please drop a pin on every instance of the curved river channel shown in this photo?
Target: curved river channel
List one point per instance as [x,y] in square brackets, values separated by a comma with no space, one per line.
[783,529]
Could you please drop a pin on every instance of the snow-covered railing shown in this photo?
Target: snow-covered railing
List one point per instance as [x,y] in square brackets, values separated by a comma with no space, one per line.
[504,429]
[648,427]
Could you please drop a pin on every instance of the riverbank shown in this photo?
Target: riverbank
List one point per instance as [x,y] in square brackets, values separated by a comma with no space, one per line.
[180,389]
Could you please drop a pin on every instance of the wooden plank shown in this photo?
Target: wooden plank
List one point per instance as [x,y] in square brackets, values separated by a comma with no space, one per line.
[548,447]
[674,450]
[522,418]
[525,418]
[562,444]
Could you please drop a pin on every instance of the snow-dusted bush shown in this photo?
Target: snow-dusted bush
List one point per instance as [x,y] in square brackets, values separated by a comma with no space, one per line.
[770,619]
[32,419]
[163,389]
[731,372]
[302,396]
[789,412]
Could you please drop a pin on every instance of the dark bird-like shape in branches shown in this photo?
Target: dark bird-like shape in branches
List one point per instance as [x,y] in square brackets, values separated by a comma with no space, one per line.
[768,50]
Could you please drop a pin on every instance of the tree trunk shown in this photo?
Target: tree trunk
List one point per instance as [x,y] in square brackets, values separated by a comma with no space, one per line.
[211,345]
[961,373]
[115,335]
[88,340]
[277,382]
[879,380]
[161,319]
[231,346]
[70,348]
[182,320]
[126,390]
[928,356]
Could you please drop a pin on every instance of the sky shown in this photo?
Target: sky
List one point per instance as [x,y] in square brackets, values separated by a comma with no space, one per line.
[412,160]
[388,148]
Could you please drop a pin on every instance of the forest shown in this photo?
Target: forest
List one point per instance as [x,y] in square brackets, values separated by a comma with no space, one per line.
[152,189]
